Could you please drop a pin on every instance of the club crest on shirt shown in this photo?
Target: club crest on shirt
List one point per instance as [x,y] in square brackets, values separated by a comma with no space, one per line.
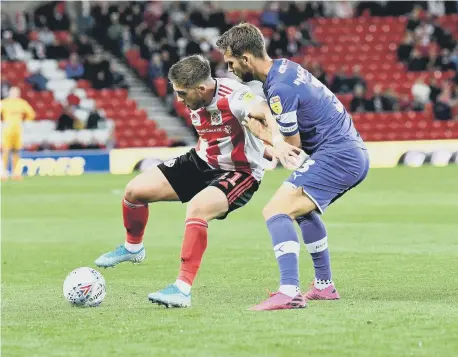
[216,118]
[275,104]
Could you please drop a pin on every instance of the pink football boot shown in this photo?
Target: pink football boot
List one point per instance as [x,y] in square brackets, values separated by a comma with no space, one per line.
[329,293]
[280,301]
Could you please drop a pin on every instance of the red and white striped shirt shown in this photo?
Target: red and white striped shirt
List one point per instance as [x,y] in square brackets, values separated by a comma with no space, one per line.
[224,143]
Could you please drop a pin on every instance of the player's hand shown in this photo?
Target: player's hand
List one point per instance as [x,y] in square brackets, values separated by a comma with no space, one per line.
[269,155]
[256,126]
[286,153]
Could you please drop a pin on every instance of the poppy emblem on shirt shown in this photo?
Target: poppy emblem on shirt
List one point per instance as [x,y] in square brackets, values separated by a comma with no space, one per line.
[275,104]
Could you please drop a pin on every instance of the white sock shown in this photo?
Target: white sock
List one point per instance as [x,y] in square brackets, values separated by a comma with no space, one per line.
[322,284]
[290,290]
[133,248]
[185,288]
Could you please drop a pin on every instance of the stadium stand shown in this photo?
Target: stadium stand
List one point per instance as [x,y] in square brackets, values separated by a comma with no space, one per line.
[348,50]
[395,71]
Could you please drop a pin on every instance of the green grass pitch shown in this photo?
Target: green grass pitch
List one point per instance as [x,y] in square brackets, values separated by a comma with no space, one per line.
[394,247]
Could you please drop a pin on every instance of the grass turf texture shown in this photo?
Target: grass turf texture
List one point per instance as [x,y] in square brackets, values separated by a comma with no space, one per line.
[393,242]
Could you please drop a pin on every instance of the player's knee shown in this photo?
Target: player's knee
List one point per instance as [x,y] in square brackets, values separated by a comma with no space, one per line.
[273,209]
[134,192]
[209,205]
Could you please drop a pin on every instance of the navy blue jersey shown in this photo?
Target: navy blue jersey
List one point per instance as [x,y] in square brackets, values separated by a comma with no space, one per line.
[302,104]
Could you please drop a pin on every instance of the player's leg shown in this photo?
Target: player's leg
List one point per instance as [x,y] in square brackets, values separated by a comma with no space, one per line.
[320,181]
[287,203]
[5,160]
[15,155]
[208,204]
[151,186]
[226,193]
[316,241]
[6,147]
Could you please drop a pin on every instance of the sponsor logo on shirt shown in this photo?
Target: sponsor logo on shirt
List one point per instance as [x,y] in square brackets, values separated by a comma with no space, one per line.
[284,64]
[246,96]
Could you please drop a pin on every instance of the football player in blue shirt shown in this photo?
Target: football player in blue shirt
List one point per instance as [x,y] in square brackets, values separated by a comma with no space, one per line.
[310,117]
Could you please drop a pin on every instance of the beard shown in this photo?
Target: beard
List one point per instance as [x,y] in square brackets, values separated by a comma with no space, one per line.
[196,105]
[247,77]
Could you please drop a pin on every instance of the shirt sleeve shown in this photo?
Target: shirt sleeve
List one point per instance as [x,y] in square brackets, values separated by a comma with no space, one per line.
[283,103]
[28,110]
[241,101]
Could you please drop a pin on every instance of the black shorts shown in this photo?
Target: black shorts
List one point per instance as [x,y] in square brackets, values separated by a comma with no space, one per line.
[188,174]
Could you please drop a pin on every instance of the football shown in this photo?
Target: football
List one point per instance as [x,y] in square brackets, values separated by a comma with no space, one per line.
[84,287]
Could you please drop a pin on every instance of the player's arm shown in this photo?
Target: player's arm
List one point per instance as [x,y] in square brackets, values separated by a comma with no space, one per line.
[284,103]
[244,104]
[29,112]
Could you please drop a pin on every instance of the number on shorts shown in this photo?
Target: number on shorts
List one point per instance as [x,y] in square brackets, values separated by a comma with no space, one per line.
[233,179]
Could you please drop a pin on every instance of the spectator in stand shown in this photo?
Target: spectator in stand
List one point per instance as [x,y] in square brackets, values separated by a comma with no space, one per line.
[94,120]
[434,90]
[57,51]
[11,49]
[293,45]
[340,9]
[319,73]
[59,20]
[445,103]
[38,49]
[414,18]
[433,56]
[6,23]
[421,93]
[270,17]
[37,80]
[132,17]
[341,83]
[74,68]
[5,87]
[156,69]
[312,9]
[148,47]
[192,47]
[423,34]
[356,78]
[358,103]
[46,36]
[103,77]
[119,80]
[454,58]
[405,48]
[436,7]
[84,47]
[377,102]
[277,46]
[114,33]
[390,100]
[66,120]
[417,63]
[306,38]
[444,61]
[166,62]
[405,104]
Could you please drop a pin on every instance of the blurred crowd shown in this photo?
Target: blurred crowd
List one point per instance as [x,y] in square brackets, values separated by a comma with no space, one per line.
[48,33]
[165,32]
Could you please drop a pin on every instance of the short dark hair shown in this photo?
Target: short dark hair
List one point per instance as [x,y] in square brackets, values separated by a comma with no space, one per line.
[190,71]
[243,38]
